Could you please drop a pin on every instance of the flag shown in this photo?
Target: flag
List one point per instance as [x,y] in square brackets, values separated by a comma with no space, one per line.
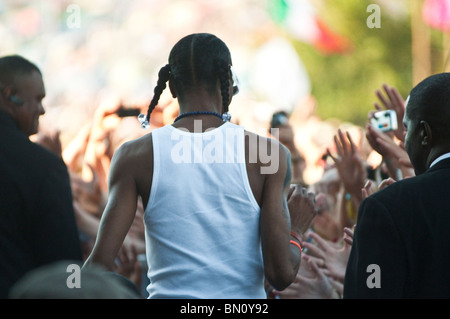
[300,19]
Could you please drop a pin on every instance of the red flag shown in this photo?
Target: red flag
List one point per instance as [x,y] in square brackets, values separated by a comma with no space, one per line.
[301,20]
[329,42]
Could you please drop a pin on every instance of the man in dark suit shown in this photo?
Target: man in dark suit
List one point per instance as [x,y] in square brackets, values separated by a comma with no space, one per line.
[37,222]
[401,246]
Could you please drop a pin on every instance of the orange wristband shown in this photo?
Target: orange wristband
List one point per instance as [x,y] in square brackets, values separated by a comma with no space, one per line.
[296,244]
[296,236]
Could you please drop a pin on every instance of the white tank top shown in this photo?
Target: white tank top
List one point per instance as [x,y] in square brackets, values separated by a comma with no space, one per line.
[202,220]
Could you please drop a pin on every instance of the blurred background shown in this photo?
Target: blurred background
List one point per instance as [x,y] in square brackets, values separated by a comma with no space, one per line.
[315,59]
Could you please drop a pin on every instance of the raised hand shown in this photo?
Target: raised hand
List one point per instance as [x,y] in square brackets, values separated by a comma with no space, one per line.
[128,264]
[391,151]
[333,259]
[51,141]
[302,208]
[324,224]
[350,165]
[310,283]
[392,101]
[348,235]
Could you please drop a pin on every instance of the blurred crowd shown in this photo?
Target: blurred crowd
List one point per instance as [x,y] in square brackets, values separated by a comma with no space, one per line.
[356,162]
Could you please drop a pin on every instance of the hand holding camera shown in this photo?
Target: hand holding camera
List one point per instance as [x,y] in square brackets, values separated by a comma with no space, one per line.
[384,121]
[393,101]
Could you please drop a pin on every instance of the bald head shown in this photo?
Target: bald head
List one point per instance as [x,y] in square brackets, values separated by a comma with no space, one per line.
[14,66]
[21,92]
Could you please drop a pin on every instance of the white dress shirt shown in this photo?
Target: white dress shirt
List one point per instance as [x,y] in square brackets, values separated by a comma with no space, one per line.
[440,158]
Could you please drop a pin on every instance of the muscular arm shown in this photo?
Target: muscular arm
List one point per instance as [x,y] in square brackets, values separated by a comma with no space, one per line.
[281,260]
[119,211]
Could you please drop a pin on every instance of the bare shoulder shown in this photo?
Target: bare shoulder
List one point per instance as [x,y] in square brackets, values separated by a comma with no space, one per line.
[265,151]
[256,140]
[133,156]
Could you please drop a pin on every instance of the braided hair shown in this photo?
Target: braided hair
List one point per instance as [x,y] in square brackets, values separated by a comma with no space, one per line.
[163,77]
[198,59]
[224,78]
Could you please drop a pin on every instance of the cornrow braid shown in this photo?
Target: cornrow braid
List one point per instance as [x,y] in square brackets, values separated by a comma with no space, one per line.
[163,77]
[223,72]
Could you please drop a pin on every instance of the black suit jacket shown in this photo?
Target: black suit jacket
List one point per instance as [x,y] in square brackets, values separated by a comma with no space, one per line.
[37,222]
[405,230]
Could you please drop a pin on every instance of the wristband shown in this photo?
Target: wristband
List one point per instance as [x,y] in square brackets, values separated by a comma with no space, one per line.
[296,236]
[296,244]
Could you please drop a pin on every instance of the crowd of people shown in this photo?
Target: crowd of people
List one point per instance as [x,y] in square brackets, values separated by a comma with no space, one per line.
[317,247]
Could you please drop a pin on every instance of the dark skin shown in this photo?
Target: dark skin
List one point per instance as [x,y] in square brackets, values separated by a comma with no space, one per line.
[131,176]
[423,142]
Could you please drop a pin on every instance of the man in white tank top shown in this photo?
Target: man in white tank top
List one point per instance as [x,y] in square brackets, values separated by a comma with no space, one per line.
[219,218]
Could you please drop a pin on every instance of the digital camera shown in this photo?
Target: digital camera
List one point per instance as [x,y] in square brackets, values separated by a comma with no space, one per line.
[384,121]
